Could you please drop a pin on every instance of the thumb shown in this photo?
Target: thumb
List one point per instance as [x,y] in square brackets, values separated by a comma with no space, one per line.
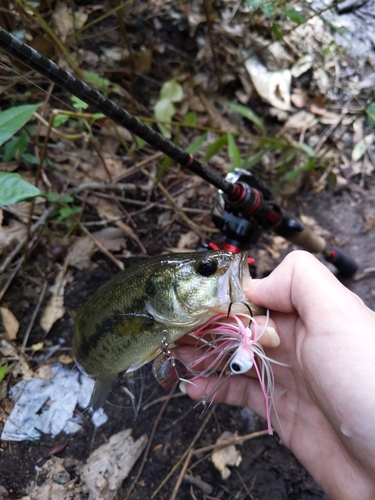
[300,283]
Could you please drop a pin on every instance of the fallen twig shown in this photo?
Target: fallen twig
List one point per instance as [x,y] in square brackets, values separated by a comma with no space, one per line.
[97,243]
[35,312]
[42,219]
[197,481]
[157,421]
[185,454]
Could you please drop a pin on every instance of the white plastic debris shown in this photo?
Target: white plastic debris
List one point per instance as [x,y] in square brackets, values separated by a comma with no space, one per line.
[47,405]
[272,86]
[303,64]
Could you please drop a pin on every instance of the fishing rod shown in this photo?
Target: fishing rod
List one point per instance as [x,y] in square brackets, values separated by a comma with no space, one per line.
[243,207]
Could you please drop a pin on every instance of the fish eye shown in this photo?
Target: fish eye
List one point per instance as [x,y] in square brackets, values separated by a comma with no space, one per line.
[207,268]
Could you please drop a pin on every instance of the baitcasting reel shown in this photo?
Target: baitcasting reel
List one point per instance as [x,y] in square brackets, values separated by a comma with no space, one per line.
[243,220]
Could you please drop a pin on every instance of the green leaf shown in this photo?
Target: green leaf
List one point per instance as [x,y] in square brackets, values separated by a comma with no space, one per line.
[166,162]
[139,143]
[268,9]
[307,149]
[276,31]
[215,147]
[247,113]
[96,81]
[370,118]
[98,116]
[190,119]
[295,16]
[360,148]
[59,119]
[233,152]
[78,105]
[287,157]
[34,160]
[164,110]
[15,148]
[253,160]
[293,175]
[197,144]
[14,118]
[172,91]
[14,189]
[255,4]
[3,370]
[53,197]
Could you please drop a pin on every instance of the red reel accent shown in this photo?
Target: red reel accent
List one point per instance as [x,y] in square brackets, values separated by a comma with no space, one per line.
[230,248]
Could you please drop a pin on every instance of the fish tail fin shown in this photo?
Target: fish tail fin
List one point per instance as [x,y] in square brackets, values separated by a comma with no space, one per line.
[101,389]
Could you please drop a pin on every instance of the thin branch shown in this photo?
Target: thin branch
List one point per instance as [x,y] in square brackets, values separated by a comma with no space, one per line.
[157,421]
[185,454]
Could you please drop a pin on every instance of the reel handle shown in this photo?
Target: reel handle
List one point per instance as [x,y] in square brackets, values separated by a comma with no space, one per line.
[345,265]
[313,243]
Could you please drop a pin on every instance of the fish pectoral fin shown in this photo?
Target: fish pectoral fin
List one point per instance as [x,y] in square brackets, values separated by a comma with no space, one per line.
[145,359]
[99,395]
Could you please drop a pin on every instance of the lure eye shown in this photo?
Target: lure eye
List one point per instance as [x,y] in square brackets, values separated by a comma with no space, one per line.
[242,361]
[207,268]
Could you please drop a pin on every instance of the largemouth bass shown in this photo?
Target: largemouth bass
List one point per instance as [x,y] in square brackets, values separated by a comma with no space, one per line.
[152,304]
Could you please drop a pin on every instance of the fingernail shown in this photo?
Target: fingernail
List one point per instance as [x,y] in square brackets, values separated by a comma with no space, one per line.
[182,386]
[275,339]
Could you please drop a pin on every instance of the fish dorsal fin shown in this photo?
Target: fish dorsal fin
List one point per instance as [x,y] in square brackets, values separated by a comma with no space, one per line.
[149,356]
[101,389]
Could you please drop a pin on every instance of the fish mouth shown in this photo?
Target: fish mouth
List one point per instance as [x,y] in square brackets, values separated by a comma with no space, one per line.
[240,277]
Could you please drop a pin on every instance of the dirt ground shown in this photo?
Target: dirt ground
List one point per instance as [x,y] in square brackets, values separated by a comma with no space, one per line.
[268,469]
[344,215]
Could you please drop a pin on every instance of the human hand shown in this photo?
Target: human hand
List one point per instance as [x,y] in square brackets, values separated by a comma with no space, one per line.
[325,401]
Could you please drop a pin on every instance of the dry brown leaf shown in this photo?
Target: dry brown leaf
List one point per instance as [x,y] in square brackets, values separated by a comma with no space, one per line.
[301,121]
[164,218]
[37,346]
[223,457]
[278,244]
[55,308]
[15,232]
[66,360]
[318,106]
[299,99]
[112,238]
[21,366]
[56,483]
[143,60]
[63,20]
[188,240]
[111,212]
[66,22]
[10,322]
[108,466]
[45,372]
[80,253]
[216,117]
[330,118]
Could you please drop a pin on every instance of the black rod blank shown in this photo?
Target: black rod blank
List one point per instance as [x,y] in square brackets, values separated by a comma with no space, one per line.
[35,61]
